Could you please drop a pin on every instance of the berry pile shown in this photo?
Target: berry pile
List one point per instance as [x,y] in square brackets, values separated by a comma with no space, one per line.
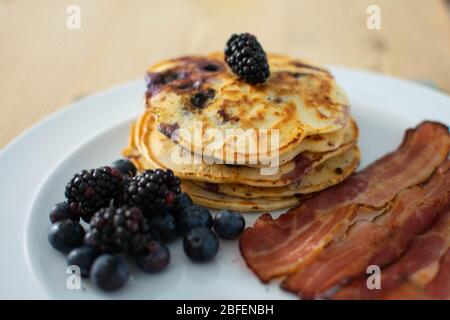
[246,57]
[130,215]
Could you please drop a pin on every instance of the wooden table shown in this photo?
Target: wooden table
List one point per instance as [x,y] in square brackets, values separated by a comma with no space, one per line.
[44,65]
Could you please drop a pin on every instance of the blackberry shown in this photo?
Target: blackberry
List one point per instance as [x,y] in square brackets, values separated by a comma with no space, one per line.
[118,230]
[247,59]
[152,191]
[88,191]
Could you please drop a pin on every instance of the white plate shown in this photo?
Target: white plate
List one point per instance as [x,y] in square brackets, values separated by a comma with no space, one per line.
[92,132]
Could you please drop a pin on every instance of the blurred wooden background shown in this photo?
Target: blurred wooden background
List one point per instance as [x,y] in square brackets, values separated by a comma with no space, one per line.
[44,66]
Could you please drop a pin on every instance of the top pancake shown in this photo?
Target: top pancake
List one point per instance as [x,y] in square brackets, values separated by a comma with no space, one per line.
[198,93]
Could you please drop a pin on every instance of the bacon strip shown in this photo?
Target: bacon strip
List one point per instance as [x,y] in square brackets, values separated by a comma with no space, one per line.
[278,247]
[427,253]
[407,291]
[439,287]
[380,242]
[415,288]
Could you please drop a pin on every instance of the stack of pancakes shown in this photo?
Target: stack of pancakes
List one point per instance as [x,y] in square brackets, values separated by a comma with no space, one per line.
[245,147]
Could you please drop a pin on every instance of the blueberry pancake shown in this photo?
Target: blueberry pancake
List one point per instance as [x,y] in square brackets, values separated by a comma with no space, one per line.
[201,92]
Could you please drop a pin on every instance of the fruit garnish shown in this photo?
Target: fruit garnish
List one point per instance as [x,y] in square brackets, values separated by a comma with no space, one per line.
[165,226]
[201,244]
[92,190]
[125,166]
[149,191]
[183,202]
[117,230]
[154,258]
[109,272]
[132,215]
[62,211]
[229,224]
[84,258]
[246,57]
[194,216]
[66,235]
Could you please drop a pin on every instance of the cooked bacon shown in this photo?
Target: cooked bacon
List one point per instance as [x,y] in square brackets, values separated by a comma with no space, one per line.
[268,233]
[379,242]
[427,253]
[407,291]
[278,247]
[439,287]
[416,288]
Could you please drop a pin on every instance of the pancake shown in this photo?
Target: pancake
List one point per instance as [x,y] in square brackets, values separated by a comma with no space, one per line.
[322,142]
[163,153]
[197,93]
[314,143]
[214,200]
[221,201]
[325,175]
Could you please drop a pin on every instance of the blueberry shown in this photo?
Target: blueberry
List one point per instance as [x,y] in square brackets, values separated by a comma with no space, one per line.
[66,235]
[125,166]
[201,244]
[109,272]
[165,226]
[229,224]
[154,258]
[183,202]
[194,216]
[61,211]
[82,257]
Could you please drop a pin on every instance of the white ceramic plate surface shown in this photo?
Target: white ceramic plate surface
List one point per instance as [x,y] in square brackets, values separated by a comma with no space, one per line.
[92,132]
